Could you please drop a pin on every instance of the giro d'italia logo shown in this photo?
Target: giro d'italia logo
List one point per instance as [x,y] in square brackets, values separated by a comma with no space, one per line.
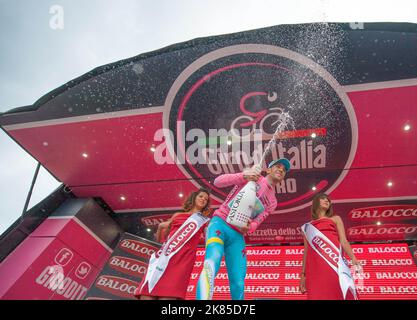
[224,108]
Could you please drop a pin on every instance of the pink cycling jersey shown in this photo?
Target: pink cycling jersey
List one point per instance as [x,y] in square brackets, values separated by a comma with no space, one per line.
[265,193]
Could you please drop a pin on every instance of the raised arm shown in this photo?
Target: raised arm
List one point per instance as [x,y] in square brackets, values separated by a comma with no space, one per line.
[226,180]
[249,174]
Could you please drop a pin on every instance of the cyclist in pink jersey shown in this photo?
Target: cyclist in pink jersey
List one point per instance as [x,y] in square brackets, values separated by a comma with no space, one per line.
[225,239]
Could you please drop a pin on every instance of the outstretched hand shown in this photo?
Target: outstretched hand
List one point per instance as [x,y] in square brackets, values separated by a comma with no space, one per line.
[253,173]
[303,288]
[251,226]
[358,266]
[244,230]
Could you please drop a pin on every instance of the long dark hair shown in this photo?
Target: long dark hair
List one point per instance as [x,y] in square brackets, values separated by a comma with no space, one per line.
[190,201]
[316,206]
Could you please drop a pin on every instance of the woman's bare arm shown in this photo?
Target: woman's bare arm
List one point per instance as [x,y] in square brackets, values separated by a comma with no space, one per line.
[303,288]
[163,229]
[343,241]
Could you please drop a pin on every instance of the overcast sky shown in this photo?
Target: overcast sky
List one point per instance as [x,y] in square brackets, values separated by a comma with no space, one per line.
[35,58]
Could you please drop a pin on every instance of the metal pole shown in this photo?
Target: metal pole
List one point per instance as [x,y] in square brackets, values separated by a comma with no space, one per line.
[31,188]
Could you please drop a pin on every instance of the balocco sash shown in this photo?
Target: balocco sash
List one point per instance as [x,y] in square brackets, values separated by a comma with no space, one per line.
[333,256]
[159,262]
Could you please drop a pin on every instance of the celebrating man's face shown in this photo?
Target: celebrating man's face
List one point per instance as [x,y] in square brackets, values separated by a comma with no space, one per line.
[277,172]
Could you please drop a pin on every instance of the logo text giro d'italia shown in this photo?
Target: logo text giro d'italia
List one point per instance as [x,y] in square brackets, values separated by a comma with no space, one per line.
[223,109]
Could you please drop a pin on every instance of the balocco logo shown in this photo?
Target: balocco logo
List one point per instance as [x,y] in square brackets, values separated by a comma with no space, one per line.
[326,250]
[383,232]
[128,266]
[155,220]
[121,287]
[138,248]
[183,234]
[233,93]
[263,252]
[386,250]
[384,213]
